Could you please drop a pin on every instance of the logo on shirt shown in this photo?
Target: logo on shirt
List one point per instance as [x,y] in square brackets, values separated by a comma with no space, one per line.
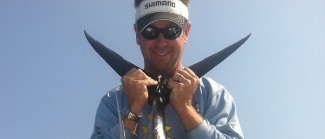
[145,128]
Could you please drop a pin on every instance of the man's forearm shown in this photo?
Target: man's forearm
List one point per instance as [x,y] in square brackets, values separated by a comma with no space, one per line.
[190,118]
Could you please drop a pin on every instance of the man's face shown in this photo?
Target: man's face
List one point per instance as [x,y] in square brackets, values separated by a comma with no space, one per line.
[161,55]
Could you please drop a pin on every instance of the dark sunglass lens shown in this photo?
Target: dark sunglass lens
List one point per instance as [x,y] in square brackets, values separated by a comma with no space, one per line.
[169,33]
[172,33]
[149,33]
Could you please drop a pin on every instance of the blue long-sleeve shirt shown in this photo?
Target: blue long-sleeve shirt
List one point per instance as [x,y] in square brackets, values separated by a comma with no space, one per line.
[211,101]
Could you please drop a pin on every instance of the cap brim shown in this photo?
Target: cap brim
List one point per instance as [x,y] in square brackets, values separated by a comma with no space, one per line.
[153,17]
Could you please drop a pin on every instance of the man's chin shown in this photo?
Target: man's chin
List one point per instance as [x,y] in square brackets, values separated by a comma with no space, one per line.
[164,71]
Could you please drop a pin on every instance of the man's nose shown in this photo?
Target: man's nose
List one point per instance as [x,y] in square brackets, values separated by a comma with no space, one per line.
[161,40]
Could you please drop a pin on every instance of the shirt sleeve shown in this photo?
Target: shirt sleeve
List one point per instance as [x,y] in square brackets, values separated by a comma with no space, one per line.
[219,111]
[106,121]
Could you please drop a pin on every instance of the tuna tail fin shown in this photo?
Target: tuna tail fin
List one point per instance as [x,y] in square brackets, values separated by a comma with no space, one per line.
[122,66]
[117,62]
[204,66]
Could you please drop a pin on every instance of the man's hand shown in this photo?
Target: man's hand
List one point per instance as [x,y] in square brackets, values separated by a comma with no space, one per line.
[183,86]
[135,84]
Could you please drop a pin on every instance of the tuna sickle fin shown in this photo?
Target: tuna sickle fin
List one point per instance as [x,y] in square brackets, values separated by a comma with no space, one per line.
[204,66]
[117,62]
[122,66]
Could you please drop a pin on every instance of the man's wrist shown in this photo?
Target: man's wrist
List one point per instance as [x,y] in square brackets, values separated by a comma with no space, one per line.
[184,108]
[130,115]
[135,110]
[189,117]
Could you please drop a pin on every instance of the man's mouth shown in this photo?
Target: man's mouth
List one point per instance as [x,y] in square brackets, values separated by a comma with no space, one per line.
[162,53]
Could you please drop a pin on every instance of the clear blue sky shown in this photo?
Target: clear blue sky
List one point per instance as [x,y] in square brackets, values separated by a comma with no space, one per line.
[51,80]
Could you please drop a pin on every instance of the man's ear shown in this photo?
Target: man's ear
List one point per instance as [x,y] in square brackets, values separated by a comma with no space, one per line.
[137,33]
[187,31]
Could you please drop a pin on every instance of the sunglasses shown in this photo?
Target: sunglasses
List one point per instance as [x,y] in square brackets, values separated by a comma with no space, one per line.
[170,33]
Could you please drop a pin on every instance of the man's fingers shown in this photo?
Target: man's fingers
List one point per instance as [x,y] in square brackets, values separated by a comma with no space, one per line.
[172,84]
[146,79]
[150,81]
[177,77]
[190,72]
[139,76]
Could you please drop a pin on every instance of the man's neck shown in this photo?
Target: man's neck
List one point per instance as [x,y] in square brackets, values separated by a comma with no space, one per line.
[166,73]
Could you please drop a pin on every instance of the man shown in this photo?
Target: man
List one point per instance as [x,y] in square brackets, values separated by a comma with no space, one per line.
[198,108]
